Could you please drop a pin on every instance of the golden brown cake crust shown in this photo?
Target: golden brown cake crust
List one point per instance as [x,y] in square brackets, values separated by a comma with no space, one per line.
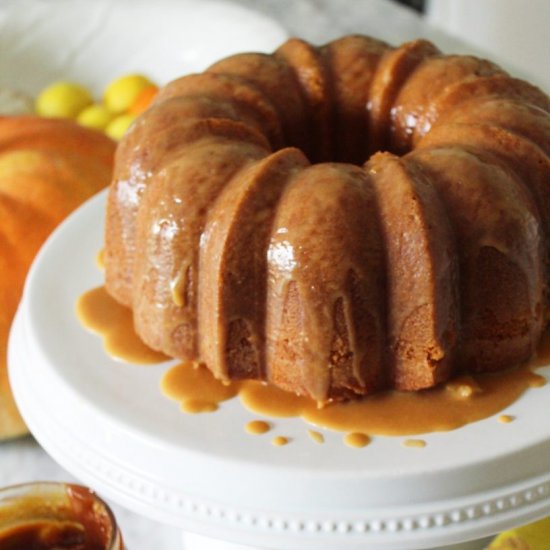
[233,266]
[341,278]
[421,268]
[395,67]
[352,62]
[325,307]
[169,232]
[311,72]
[499,239]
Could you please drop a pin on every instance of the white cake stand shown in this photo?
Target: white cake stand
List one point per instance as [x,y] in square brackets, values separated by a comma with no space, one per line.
[109,425]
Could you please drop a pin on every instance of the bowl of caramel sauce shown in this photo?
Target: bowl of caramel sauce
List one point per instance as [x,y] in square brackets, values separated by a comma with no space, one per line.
[56,516]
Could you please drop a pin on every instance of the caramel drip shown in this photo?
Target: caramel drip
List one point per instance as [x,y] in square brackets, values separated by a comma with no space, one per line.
[449,406]
[318,437]
[312,343]
[103,315]
[195,388]
[463,387]
[233,266]
[196,406]
[257,427]
[280,441]
[273,401]
[100,260]
[506,418]
[175,212]
[179,287]
[542,356]
[356,440]
[414,443]
[537,381]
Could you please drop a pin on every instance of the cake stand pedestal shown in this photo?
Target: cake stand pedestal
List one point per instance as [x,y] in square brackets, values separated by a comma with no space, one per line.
[109,425]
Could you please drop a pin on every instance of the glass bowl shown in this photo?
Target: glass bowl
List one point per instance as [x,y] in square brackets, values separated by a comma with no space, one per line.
[50,515]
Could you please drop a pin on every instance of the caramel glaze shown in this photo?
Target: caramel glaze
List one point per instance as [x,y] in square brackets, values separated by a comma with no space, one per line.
[414,443]
[257,427]
[74,520]
[447,407]
[458,402]
[100,260]
[318,437]
[103,315]
[45,534]
[195,388]
[324,333]
[399,413]
[235,237]
[493,218]
[356,440]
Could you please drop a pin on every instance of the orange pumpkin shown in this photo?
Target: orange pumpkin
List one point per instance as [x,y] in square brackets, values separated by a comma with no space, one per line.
[48,167]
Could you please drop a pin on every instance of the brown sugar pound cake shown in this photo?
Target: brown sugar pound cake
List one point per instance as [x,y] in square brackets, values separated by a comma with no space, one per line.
[337,220]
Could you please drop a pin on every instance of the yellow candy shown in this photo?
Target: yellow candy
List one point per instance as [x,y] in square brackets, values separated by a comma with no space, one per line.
[118,126]
[95,116]
[535,536]
[122,92]
[62,100]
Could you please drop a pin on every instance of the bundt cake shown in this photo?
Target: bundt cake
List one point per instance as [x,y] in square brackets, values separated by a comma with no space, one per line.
[337,220]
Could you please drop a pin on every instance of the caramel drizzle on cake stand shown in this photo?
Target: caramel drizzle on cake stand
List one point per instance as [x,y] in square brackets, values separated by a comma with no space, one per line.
[462,400]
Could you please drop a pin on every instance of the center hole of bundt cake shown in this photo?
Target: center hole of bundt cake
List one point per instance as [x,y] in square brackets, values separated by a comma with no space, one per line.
[353,144]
